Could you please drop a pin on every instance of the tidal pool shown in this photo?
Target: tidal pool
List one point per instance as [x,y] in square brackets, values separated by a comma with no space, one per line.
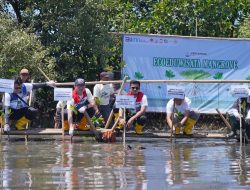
[143,164]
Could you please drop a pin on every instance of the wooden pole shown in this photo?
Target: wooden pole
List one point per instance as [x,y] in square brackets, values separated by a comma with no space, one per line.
[62,119]
[43,73]
[172,127]
[124,129]
[224,119]
[112,111]
[157,81]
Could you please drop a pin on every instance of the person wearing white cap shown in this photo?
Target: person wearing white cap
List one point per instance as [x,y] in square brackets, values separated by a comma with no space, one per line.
[183,116]
[234,117]
[24,75]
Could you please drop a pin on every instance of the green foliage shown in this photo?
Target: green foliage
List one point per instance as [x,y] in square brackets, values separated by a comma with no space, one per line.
[244,31]
[138,75]
[214,18]
[169,74]
[195,74]
[19,49]
[218,76]
[248,78]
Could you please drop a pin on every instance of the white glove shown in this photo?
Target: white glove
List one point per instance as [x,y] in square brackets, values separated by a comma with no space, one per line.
[51,83]
[6,128]
[71,131]
[234,112]
[82,109]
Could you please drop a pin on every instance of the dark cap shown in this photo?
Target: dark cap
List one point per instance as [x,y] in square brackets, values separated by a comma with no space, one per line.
[79,81]
[104,75]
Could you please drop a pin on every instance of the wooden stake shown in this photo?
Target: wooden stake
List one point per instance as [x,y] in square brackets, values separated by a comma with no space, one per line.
[224,119]
[112,111]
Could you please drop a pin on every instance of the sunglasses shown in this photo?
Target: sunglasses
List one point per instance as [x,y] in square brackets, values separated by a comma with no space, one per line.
[135,88]
[17,88]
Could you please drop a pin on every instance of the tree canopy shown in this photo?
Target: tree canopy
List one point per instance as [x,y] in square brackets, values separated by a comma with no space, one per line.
[76,34]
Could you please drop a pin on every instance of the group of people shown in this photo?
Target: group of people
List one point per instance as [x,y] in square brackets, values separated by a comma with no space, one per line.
[179,115]
[100,104]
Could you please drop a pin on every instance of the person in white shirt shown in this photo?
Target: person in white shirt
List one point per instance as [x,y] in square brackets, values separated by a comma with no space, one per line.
[82,100]
[135,116]
[179,115]
[102,94]
[16,106]
[234,117]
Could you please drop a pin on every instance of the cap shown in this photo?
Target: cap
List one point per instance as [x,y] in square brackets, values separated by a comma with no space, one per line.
[24,71]
[79,81]
[104,75]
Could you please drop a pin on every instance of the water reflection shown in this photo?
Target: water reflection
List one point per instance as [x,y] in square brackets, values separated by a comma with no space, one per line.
[185,164]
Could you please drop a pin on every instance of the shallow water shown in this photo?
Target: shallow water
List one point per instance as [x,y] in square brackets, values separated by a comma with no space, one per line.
[84,164]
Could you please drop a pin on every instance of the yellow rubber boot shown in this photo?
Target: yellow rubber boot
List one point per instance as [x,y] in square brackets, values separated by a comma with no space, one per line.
[83,125]
[188,129]
[138,129]
[66,125]
[177,128]
[21,123]
[119,126]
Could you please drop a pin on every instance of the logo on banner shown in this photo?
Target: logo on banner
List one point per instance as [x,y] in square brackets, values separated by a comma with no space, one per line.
[240,91]
[174,91]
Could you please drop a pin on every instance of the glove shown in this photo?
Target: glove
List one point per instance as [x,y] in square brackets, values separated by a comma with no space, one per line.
[6,128]
[51,83]
[71,131]
[82,109]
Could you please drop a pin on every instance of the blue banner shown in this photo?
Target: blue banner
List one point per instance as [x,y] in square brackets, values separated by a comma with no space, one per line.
[149,57]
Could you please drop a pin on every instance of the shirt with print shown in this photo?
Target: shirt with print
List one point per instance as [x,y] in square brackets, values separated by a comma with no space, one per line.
[89,98]
[103,91]
[12,101]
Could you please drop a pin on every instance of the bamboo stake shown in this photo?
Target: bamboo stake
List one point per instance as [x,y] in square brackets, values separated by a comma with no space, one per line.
[112,111]
[124,129]
[43,73]
[224,119]
[62,118]
[30,101]
[157,81]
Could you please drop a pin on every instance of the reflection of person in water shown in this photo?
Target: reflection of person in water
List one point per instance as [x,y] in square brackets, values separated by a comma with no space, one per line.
[239,164]
[180,166]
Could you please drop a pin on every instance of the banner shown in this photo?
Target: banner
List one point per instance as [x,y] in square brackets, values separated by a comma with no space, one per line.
[149,57]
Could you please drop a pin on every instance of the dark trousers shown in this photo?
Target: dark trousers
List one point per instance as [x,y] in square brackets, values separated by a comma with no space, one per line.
[235,123]
[16,114]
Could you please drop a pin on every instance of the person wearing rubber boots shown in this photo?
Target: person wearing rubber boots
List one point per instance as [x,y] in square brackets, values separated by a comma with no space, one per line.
[102,94]
[183,118]
[82,100]
[135,116]
[16,107]
[234,118]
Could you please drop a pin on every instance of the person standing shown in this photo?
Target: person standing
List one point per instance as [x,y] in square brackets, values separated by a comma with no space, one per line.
[102,95]
[135,116]
[24,75]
